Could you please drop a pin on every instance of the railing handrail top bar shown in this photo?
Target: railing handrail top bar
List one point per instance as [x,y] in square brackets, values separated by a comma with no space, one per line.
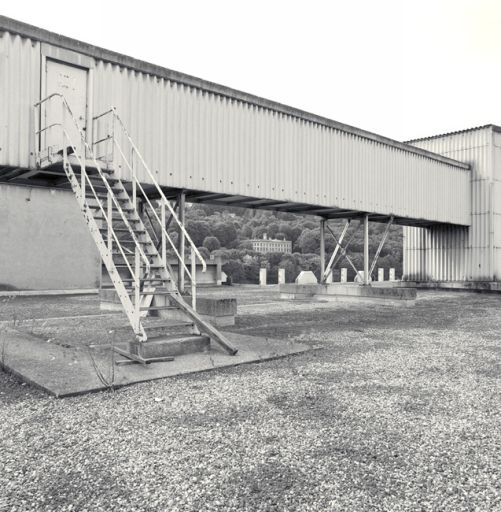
[86,145]
[47,98]
[48,127]
[103,210]
[112,109]
[157,186]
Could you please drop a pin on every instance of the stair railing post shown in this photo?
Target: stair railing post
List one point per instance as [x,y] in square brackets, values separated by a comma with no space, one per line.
[133,179]
[164,241]
[37,114]
[83,181]
[181,242]
[193,280]
[137,302]
[110,219]
[63,141]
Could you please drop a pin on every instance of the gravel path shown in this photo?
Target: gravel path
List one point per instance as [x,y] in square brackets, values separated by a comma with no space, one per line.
[401,411]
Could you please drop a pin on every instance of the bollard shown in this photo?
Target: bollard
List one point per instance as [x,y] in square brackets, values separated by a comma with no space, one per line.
[344,275]
[380,274]
[392,274]
[262,276]
[281,276]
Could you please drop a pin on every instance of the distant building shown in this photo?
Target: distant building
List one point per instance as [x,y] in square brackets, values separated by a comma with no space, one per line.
[265,245]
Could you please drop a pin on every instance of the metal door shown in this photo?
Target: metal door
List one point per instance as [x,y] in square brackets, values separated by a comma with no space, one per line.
[71,82]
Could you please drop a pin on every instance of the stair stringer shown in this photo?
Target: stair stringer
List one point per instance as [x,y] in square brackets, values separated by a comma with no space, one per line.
[166,273]
[105,254]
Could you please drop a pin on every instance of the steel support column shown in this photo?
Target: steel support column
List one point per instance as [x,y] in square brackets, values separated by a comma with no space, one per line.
[366,249]
[322,247]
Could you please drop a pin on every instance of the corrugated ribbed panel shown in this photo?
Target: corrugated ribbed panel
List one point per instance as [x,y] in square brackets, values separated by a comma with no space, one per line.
[19,89]
[454,253]
[496,205]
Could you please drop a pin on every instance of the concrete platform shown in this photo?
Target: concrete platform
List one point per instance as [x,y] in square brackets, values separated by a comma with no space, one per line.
[65,371]
[474,286]
[346,292]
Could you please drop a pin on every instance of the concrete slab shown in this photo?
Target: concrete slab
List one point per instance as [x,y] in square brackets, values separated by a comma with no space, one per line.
[349,292]
[65,371]
[43,293]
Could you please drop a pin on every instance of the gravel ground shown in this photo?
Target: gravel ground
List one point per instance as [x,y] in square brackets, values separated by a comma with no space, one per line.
[400,411]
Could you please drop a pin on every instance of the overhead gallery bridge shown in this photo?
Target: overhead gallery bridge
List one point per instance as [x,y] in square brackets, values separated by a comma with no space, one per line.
[213,143]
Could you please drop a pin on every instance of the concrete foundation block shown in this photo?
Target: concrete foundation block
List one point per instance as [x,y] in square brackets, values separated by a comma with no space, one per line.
[216,310]
[165,346]
[344,275]
[359,278]
[306,277]
[349,293]
[380,274]
[219,321]
[281,276]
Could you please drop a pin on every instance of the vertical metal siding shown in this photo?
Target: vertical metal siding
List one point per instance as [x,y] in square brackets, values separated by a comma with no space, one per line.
[200,140]
[496,205]
[19,90]
[455,253]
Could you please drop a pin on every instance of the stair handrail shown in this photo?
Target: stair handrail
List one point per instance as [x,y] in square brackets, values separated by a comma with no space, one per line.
[88,149]
[164,199]
[80,191]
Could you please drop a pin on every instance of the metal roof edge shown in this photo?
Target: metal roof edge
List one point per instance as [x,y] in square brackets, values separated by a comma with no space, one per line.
[493,127]
[24,29]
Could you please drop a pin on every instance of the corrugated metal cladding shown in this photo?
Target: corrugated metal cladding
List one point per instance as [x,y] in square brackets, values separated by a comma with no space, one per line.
[453,253]
[19,85]
[204,141]
[207,141]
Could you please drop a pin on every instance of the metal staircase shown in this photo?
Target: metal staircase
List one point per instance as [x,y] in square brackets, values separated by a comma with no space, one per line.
[138,267]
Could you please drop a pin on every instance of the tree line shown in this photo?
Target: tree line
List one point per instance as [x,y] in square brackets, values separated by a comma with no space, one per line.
[227,231]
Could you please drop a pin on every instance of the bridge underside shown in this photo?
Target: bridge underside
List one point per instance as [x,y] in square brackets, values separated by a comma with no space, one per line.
[194,196]
[55,178]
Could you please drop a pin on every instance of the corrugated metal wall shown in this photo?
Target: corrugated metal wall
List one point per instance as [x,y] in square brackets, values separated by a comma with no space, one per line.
[204,141]
[453,253]
[496,206]
[19,89]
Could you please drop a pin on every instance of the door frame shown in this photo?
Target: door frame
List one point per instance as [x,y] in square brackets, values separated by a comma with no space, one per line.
[70,58]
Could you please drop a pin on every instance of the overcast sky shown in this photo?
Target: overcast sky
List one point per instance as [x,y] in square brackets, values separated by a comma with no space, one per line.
[398,68]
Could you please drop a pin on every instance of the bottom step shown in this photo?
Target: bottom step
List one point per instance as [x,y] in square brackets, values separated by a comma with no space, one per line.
[163,346]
